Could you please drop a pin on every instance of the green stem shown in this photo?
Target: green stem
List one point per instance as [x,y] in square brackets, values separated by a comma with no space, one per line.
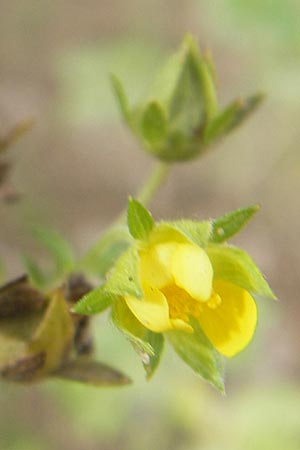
[153,183]
[149,188]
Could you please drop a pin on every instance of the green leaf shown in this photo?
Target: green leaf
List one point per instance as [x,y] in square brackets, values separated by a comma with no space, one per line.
[228,225]
[154,122]
[124,279]
[139,220]
[148,345]
[235,266]
[183,230]
[94,302]
[91,372]
[58,247]
[38,278]
[103,255]
[121,98]
[196,351]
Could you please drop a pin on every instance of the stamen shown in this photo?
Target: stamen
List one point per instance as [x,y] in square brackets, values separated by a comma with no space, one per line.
[214,301]
[181,304]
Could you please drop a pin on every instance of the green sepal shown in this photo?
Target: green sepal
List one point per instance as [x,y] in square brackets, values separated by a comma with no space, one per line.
[246,107]
[228,225]
[221,123]
[103,255]
[187,106]
[121,98]
[139,220]
[185,88]
[235,266]
[209,91]
[124,279]
[148,345]
[94,302]
[154,123]
[183,230]
[231,117]
[196,351]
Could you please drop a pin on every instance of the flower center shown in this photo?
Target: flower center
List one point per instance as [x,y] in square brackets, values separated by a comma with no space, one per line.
[182,305]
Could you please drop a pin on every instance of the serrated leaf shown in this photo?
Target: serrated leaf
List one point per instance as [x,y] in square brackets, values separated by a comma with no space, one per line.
[121,98]
[228,225]
[139,220]
[196,351]
[235,266]
[94,302]
[154,122]
[103,255]
[58,247]
[92,372]
[148,345]
[124,279]
[183,230]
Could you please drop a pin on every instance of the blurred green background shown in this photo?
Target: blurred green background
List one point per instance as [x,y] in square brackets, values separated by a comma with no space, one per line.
[76,168]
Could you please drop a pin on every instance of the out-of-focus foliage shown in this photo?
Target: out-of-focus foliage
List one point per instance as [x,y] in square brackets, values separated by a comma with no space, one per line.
[55,60]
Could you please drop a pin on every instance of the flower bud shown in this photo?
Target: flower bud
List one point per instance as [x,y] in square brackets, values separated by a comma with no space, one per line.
[180,117]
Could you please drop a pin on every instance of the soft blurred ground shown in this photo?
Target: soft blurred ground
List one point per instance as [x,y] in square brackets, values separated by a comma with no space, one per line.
[77,167]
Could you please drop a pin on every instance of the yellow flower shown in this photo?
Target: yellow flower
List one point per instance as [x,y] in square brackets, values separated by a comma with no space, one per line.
[178,283]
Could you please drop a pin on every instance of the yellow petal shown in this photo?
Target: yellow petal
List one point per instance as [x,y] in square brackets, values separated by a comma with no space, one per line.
[152,311]
[156,264]
[230,326]
[178,324]
[192,271]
